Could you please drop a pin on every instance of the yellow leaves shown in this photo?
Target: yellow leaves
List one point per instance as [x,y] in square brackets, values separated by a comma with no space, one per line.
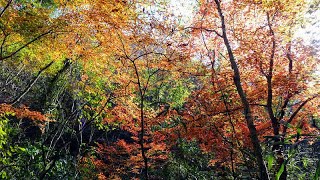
[279,5]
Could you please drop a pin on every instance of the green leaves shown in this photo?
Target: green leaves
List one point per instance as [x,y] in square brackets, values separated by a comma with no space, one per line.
[280,171]
[3,131]
[188,162]
[317,174]
[270,160]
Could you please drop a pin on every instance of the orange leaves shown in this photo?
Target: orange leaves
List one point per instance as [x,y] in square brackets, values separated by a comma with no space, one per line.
[122,143]
[23,112]
[157,146]
[101,176]
[122,157]
[5,108]
[113,160]
[33,115]
[212,162]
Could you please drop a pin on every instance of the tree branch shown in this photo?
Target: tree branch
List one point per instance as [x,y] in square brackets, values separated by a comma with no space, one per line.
[205,29]
[25,45]
[17,99]
[244,100]
[275,123]
[296,112]
[5,8]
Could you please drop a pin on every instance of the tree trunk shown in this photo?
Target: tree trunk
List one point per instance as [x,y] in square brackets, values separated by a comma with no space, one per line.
[245,103]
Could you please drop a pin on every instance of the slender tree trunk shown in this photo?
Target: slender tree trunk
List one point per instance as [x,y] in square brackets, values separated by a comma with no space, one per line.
[142,120]
[145,159]
[141,93]
[245,103]
[275,122]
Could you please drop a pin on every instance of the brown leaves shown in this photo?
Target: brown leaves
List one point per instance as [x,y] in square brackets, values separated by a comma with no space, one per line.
[23,112]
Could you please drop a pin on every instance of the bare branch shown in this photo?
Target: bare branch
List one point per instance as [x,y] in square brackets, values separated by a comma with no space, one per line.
[205,29]
[17,99]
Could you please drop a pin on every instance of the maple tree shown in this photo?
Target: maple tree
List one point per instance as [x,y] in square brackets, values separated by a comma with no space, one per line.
[263,63]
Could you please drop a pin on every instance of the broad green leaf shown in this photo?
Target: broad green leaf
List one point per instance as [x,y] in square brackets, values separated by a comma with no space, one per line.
[270,160]
[280,171]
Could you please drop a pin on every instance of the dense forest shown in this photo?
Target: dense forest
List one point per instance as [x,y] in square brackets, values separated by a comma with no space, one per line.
[128,89]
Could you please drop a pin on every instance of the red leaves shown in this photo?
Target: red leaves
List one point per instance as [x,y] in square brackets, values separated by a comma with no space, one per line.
[23,112]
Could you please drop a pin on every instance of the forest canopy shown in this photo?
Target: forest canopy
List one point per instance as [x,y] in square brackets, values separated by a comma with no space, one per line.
[129,89]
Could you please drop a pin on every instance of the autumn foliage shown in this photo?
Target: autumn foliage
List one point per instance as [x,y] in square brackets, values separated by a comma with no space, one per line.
[125,90]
